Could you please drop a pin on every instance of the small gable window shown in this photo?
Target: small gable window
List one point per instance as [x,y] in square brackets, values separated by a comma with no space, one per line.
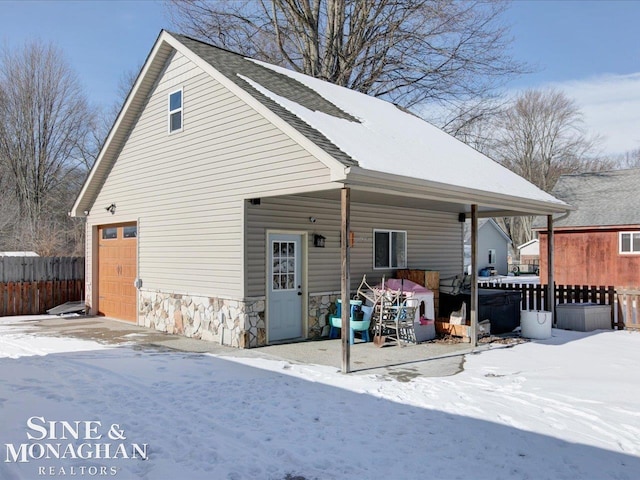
[629,242]
[175,111]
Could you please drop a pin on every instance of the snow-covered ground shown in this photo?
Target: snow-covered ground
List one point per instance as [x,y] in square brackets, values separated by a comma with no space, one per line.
[510,279]
[567,408]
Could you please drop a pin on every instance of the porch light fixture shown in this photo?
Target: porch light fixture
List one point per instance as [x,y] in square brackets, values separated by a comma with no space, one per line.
[312,219]
[318,240]
[111,208]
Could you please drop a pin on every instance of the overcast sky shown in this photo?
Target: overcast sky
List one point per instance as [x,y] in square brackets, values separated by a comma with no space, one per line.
[589,49]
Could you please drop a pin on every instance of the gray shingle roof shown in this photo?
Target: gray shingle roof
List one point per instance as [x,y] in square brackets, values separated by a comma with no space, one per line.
[232,65]
[600,198]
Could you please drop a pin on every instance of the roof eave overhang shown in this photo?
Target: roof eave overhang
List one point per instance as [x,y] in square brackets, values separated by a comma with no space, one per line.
[490,204]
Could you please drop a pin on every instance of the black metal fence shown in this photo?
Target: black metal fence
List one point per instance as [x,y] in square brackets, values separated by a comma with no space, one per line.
[534,296]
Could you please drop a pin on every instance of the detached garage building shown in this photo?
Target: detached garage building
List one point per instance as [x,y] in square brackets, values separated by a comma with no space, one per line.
[214,208]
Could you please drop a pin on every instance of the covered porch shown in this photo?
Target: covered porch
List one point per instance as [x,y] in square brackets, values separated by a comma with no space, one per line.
[431,214]
[468,203]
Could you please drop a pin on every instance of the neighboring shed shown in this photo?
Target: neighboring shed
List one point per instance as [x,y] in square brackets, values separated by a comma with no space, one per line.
[599,242]
[493,246]
[216,206]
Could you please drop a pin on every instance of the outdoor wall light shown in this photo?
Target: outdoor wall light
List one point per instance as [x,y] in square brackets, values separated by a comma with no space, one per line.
[312,219]
[318,240]
[111,208]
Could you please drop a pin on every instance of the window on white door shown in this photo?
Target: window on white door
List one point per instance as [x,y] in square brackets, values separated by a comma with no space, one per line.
[284,265]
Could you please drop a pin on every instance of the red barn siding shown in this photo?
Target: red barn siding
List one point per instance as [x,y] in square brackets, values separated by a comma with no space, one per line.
[589,257]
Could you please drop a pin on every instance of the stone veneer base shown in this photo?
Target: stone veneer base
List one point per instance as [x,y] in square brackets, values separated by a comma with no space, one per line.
[236,323]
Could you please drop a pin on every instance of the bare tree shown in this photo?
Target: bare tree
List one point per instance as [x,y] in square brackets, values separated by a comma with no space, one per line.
[44,125]
[540,137]
[407,51]
[630,159]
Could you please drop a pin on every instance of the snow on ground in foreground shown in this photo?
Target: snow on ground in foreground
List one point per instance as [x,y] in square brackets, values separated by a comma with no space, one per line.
[17,340]
[567,408]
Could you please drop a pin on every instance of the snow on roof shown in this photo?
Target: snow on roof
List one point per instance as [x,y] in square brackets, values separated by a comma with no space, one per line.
[386,139]
[18,254]
[526,244]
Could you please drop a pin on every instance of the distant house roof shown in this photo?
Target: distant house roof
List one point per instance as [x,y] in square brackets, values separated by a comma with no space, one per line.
[600,199]
[527,244]
[484,223]
[359,137]
[19,254]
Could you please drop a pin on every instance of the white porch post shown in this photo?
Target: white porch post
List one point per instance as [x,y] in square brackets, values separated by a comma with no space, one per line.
[345,293]
[551,288]
[474,276]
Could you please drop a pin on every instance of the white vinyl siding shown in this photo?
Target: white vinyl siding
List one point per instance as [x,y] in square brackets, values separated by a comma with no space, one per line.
[187,191]
[434,239]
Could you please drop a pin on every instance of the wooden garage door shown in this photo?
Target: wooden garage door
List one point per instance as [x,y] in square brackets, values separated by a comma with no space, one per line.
[117,271]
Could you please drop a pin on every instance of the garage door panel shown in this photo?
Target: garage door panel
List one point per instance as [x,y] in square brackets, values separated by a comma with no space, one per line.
[117,271]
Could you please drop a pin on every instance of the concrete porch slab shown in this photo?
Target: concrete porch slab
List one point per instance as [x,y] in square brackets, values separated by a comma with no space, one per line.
[431,359]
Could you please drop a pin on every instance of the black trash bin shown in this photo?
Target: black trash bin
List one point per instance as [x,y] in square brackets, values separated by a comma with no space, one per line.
[501,307]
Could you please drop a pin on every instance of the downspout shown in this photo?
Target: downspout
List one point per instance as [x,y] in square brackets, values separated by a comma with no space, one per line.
[474,276]
[551,288]
[345,255]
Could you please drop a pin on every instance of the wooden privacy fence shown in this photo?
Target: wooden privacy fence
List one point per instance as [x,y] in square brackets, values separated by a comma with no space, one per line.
[533,297]
[33,285]
[33,298]
[628,308]
[36,269]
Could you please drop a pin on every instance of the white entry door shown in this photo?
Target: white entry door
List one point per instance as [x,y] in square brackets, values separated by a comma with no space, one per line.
[285,286]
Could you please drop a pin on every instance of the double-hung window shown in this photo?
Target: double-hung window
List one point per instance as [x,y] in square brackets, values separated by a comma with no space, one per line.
[175,111]
[629,242]
[389,249]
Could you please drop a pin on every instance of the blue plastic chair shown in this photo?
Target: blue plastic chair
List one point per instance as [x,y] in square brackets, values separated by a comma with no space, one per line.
[361,326]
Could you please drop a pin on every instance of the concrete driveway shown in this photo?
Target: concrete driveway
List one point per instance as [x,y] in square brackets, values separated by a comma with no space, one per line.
[433,359]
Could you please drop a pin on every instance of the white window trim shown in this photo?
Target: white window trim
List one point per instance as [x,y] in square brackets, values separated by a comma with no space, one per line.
[373,245]
[495,259]
[171,112]
[630,233]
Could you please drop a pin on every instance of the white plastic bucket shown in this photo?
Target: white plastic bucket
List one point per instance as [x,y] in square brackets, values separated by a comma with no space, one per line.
[535,324]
